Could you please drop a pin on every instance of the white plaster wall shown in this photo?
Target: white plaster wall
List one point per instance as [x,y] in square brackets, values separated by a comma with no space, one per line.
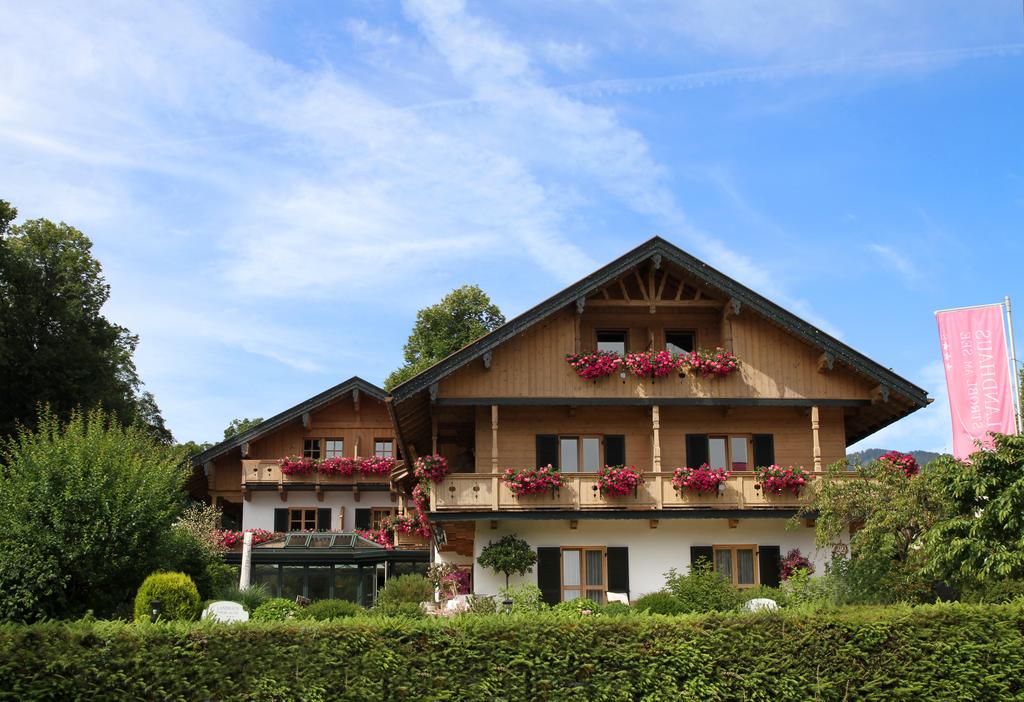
[651,551]
[258,513]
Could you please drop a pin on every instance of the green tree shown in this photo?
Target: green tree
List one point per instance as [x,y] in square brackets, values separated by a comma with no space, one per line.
[237,426]
[85,508]
[461,317]
[56,348]
[891,516]
[982,539]
[508,555]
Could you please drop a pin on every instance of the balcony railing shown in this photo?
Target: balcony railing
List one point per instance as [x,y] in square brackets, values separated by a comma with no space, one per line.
[261,472]
[462,492]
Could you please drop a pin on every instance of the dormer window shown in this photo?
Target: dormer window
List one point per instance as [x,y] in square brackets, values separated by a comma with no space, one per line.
[680,341]
[611,341]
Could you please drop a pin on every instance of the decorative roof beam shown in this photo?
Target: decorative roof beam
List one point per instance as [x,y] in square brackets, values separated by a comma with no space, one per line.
[826,362]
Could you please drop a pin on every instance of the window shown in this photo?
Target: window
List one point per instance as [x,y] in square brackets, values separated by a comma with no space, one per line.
[383,448]
[377,514]
[334,448]
[731,452]
[614,341]
[738,564]
[579,453]
[311,448]
[302,519]
[680,341]
[583,574]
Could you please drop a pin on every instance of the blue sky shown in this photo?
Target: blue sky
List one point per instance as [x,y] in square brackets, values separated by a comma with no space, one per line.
[274,189]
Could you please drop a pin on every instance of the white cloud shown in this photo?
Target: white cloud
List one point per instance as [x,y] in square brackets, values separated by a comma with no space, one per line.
[895,260]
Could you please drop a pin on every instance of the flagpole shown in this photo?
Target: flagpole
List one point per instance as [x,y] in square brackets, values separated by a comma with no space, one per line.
[1014,371]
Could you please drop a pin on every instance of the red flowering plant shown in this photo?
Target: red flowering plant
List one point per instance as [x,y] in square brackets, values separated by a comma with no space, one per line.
[433,467]
[592,366]
[376,465]
[382,536]
[293,465]
[618,481]
[776,479]
[531,481]
[231,539]
[702,480]
[711,363]
[652,364]
[901,461]
[338,465]
[414,523]
[793,562]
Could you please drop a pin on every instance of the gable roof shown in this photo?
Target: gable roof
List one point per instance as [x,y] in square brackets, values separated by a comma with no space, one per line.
[660,251]
[290,415]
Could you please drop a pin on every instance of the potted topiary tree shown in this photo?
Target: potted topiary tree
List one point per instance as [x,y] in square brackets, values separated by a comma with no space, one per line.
[509,555]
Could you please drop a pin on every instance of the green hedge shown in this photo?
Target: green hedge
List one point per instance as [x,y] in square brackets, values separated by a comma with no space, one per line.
[939,652]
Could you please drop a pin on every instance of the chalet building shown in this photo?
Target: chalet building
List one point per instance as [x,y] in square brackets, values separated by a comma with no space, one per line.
[511,400]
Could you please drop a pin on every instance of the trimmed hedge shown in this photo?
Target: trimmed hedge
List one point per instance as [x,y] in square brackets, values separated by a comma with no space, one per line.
[178,597]
[935,652]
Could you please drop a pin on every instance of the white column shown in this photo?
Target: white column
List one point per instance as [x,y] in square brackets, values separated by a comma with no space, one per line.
[243,579]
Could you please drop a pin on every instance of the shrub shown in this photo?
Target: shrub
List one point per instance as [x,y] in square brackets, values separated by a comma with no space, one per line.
[401,610]
[996,592]
[702,589]
[410,588]
[179,598]
[794,561]
[276,609]
[250,597]
[508,555]
[482,604]
[581,606]
[525,598]
[661,602]
[778,594]
[617,609]
[324,610]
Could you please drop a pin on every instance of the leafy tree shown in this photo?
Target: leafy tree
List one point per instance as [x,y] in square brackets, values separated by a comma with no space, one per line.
[982,538]
[85,508]
[237,426]
[509,555]
[461,317]
[890,515]
[56,348]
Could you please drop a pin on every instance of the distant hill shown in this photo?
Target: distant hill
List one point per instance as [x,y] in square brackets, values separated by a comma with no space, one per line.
[868,455]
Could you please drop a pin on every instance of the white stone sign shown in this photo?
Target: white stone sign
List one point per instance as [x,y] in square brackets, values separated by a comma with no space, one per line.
[761,603]
[225,611]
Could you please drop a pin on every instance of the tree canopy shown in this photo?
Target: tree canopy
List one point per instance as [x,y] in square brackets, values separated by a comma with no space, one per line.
[56,347]
[461,317]
[508,555]
[237,426]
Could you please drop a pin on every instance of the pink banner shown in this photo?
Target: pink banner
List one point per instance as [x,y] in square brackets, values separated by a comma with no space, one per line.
[977,375]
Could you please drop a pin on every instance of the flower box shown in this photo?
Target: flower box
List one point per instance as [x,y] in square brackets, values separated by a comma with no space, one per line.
[653,364]
[775,480]
[533,481]
[702,481]
[618,481]
[716,363]
[596,365]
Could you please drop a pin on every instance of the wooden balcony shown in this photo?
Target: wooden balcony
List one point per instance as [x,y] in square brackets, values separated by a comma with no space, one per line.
[463,492]
[410,541]
[266,475]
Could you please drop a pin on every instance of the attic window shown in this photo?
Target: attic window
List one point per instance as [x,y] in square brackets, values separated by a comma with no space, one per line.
[613,341]
[680,341]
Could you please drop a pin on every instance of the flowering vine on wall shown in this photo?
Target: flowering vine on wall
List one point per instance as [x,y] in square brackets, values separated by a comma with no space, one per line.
[427,470]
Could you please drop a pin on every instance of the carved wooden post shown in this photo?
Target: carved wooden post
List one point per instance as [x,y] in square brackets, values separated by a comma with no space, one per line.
[433,435]
[656,452]
[815,435]
[494,438]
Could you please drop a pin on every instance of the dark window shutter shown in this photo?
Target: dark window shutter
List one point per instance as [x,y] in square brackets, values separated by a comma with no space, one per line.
[323,519]
[702,553]
[281,519]
[769,562]
[362,518]
[696,450]
[615,450]
[547,450]
[764,450]
[618,569]
[549,575]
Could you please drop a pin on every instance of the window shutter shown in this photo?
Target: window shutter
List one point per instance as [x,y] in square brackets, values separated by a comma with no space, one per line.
[702,553]
[764,450]
[323,519]
[362,518]
[281,519]
[549,576]
[615,450]
[547,450]
[696,450]
[769,562]
[618,569]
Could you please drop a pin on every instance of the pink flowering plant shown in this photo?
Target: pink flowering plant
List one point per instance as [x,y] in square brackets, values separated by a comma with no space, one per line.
[293,465]
[592,366]
[432,467]
[376,465]
[793,562]
[532,481]
[339,465]
[776,480]
[903,462]
[652,364]
[233,539]
[702,480]
[716,363]
[618,481]
[382,536]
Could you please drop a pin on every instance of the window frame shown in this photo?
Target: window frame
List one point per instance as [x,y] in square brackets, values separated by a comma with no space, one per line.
[735,549]
[307,452]
[302,519]
[579,451]
[583,588]
[623,332]
[327,451]
[691,332]
[749,438]
[383,440]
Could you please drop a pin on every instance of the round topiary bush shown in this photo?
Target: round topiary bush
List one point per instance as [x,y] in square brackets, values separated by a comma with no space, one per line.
[324,610]
[276,609]
[660,603]
[406,588]
[179,598]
